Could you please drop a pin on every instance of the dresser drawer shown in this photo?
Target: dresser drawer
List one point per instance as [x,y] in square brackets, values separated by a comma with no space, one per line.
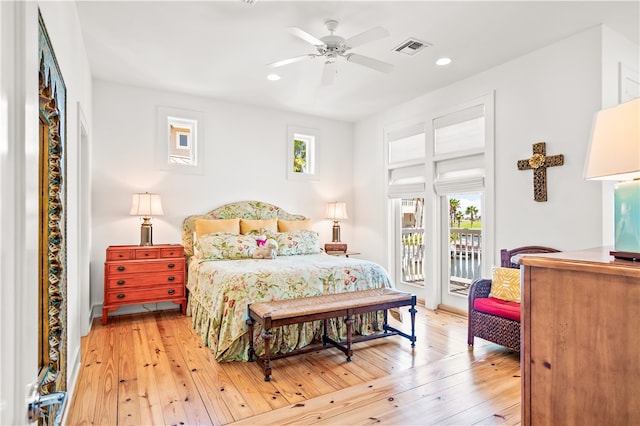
[119,268]
[137,280]
[127,296]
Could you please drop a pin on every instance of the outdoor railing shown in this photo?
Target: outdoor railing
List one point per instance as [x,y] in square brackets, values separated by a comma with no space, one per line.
[412,254]
[466,256]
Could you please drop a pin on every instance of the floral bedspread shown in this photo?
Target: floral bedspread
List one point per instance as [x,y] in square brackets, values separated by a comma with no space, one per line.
[219,292]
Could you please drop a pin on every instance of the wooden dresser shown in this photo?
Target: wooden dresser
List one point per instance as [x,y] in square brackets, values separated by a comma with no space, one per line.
[143,274]
[580,339]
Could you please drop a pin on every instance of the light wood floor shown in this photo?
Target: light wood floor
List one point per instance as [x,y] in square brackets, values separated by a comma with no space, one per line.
[152,369]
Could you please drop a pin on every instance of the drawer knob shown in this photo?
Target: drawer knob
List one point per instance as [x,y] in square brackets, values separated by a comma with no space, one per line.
[120,282]
[171,278]
[120,255]
[171,265]
[120,296]
[171,291]
[146,253]
[120,268]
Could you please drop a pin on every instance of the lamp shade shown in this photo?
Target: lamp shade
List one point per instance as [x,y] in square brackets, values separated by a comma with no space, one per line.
[145,204]
[336,211]
[614,150]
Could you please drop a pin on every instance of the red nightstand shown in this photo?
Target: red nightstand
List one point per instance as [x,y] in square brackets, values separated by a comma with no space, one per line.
[143,274]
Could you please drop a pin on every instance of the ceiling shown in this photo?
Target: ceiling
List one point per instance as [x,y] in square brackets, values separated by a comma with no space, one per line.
[220,49]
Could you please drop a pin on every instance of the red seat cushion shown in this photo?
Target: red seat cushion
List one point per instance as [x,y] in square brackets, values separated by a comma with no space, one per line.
[498,307]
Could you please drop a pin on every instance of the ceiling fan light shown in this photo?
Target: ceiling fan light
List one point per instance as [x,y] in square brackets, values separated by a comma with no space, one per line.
[443,61]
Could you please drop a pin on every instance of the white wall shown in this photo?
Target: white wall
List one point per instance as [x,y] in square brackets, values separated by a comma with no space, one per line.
[19,231]
[547,95]
[244,154]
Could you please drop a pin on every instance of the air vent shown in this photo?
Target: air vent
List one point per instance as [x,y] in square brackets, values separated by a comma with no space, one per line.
[411,46]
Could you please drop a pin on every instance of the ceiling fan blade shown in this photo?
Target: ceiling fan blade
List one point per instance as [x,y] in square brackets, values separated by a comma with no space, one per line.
[366,37]
[305,36]
[290,60]
[369,62]
[328,73]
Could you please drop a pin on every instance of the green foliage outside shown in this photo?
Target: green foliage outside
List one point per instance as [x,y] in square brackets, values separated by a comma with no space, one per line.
[299,156]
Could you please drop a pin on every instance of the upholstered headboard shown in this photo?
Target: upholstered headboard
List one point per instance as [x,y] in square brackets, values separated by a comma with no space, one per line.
[242,210]
[510,258]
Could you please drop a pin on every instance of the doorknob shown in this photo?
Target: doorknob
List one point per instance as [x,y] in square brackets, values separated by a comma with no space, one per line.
[35,402]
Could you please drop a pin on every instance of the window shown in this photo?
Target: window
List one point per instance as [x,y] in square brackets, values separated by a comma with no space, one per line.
[301,153]
[406,188]
[405,161]
[459,131]
[180,138]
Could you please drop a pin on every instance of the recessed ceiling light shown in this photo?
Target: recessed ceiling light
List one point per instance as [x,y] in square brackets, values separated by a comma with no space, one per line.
[443,61]
[273,77]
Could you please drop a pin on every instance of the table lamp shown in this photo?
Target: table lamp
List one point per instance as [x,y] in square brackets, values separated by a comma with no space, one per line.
[146,205]
[336,211]
[614,154]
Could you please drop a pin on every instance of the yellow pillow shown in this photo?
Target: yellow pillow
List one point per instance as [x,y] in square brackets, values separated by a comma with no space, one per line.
[208,226]
[294,225]
[505,284]
[248,225]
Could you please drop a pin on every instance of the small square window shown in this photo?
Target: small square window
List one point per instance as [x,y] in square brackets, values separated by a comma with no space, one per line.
[302,153]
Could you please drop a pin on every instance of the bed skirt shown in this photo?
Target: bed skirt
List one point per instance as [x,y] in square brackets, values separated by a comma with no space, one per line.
[285,339]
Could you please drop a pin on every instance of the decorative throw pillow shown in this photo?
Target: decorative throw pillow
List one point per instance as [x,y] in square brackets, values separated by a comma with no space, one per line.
[225,246]
[294,225]
[297,242]
[258,225]
[505,284]
[209,226]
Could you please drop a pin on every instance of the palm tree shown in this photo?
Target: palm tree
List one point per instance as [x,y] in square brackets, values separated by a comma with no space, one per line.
[459,217]
[454,205]
[472,214]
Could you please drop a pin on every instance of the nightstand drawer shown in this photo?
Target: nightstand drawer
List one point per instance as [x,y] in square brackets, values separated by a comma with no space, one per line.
[147,253]
[177,251]
[155,294]
[137,280]
[119,268]
[120,254]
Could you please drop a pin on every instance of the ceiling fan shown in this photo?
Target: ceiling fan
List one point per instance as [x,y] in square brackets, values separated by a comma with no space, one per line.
[331,46]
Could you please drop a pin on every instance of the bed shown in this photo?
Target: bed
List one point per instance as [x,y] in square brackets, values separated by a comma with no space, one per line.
[223,278]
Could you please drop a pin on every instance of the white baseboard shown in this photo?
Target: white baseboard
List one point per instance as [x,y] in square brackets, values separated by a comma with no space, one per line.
[96,310]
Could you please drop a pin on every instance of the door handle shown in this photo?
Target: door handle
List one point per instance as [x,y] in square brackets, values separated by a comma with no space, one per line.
[35,402]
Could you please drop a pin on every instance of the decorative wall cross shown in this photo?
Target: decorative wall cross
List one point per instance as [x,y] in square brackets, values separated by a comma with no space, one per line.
[539,162]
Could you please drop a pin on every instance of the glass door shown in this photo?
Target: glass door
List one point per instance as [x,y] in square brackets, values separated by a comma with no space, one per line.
[461,247]
[410,255]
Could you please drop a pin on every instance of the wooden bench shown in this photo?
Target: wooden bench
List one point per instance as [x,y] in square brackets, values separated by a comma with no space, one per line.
[307,309]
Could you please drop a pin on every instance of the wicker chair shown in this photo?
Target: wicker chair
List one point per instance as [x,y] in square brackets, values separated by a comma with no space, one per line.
[496,329]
